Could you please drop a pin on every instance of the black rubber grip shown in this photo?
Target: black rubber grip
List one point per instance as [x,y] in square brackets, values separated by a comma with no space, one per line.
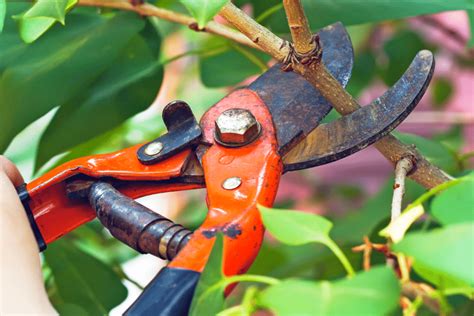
[170,293]
[24,198]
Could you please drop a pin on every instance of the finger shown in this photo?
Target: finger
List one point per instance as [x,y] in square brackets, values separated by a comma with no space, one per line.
[11,171]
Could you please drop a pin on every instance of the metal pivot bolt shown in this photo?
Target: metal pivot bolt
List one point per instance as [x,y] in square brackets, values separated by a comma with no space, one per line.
[231,183]
[236,127]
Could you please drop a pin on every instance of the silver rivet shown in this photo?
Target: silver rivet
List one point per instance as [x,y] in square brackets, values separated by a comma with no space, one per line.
[231,183]
[153,148]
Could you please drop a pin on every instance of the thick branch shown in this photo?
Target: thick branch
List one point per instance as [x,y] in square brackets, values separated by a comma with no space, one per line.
[147,9]
[425,173]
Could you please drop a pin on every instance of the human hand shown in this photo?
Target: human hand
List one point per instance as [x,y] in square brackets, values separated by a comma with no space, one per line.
[21,282]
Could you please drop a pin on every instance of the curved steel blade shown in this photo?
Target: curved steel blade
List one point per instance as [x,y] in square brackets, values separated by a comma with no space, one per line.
[296,106]
[353,132]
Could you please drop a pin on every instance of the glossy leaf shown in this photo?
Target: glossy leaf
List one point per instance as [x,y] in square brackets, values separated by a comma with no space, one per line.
[82,280]
[203,10]
[230,65]
[209,295]
[442,256]
[11,45]
[296,228]
[41,17]
[375,292]
[299,228]
[60,67]
[127,87]
[455,204]
[3,11]
[470,14]
[351,12]
[363,73]
[260,8]
[361,222]
[453,138]
[442,92]
[399,60]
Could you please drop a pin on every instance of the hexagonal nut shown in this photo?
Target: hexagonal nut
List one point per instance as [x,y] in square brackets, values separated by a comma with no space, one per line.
[236,127]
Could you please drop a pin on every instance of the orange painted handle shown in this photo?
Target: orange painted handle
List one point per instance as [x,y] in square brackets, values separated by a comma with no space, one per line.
[56,214]
[234,212]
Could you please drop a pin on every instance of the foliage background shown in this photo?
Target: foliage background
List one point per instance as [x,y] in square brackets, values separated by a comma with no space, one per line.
[85,87]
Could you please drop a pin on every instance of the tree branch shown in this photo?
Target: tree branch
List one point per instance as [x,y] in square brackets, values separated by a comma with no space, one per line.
[413,290]
[147,9]
[403,167]
[299,27]
[316,73]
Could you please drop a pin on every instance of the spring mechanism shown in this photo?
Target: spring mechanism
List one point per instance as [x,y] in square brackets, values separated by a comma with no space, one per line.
[135,224]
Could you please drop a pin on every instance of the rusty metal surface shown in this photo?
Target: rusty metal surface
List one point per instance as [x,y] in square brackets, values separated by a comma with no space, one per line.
[135,224]
[351,133]
[183,132]
[296,106]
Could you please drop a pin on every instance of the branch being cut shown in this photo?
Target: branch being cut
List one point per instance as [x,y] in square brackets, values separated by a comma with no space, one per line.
[147,9]
[316,73]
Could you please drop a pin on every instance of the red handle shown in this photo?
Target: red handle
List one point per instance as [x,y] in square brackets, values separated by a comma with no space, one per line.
[56,214]
[234,211]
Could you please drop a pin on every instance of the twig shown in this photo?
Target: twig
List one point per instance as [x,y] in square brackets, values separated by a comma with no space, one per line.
[299,27]
[147,9]
[425,173]
[403,167]
[413,290]
[258,34]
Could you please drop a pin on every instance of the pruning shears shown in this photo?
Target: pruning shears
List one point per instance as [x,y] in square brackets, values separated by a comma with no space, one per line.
[238,152]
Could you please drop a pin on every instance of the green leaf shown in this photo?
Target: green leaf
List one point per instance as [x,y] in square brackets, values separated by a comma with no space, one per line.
[375,292]
[361,222]
[455,204]
[350,12]
[83,280]
[470,14]
[209,295]
[453,138]
[299,228]
[3,11]
[260,8]
[363,73]
[434,151]
[442,256]
[442,90]
[230,65]
[11,45]
[400,59]
[41,17]
[203,10]
[127,87]
[62,66]
[296,228]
